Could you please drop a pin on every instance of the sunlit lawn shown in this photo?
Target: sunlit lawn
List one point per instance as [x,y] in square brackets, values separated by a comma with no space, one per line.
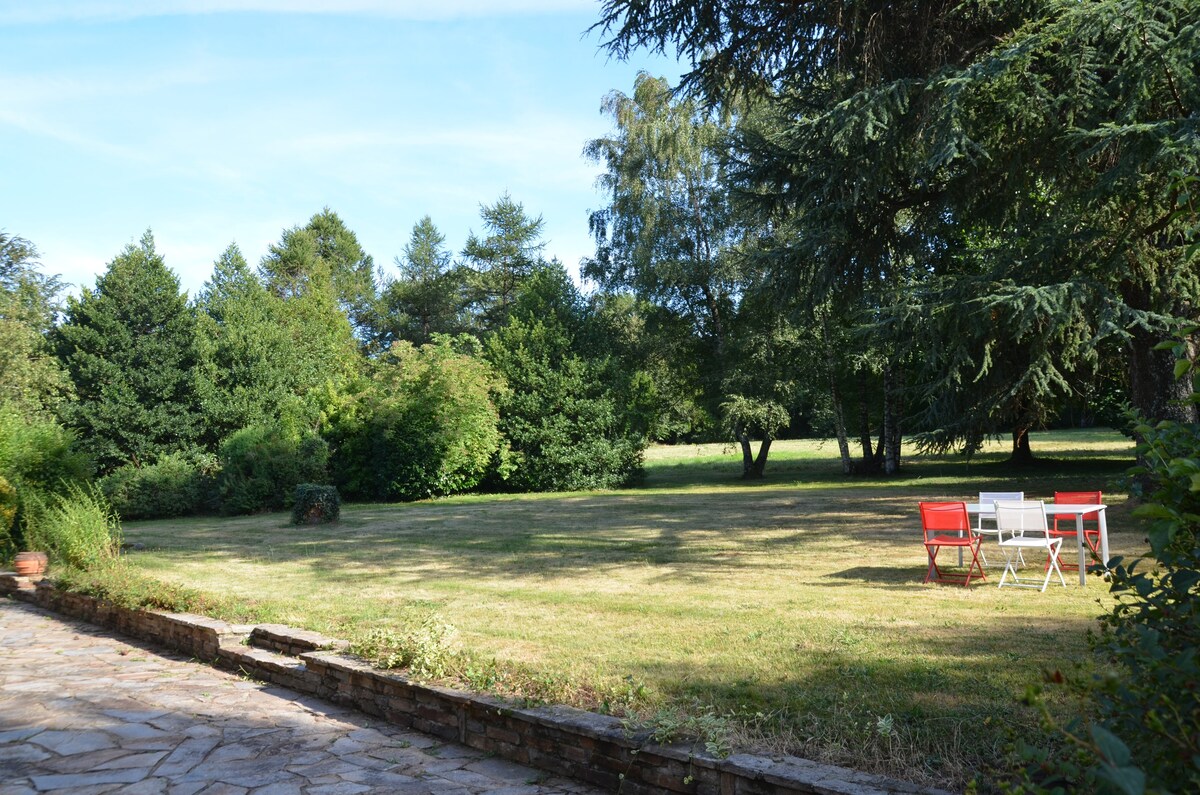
[799,597]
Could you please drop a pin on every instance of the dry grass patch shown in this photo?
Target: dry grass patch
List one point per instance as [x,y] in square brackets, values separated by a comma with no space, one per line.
[791,613]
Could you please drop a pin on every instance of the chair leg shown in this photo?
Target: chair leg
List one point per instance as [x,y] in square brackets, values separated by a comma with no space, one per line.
[1054,553]
[933,567]
[1009,569]
[976,553]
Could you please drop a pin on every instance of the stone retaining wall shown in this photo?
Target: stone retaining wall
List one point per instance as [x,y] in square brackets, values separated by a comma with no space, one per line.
[562,740]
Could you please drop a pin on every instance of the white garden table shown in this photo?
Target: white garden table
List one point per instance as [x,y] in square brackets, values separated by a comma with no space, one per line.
[1052,508]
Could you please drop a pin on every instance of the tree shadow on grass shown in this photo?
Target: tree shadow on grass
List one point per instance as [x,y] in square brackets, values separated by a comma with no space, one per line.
[1063,470]
[685,536]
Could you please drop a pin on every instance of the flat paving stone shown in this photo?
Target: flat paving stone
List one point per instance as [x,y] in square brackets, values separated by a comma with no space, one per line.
[84,712]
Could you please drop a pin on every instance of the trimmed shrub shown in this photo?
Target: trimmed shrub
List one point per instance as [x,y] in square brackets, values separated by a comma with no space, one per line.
[177,484]
[314,503]
[261,467]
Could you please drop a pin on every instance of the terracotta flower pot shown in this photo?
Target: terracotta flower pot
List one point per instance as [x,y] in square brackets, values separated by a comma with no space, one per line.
[30,564]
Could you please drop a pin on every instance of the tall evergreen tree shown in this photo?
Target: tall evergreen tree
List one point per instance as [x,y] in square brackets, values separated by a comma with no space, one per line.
[573,421]
[427,296]
[324,252]
[321,350]
[250,370]
[502,260]
[129,347]
[1019,159]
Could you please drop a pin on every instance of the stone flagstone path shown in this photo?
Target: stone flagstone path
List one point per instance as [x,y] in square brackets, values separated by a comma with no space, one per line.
[83,712]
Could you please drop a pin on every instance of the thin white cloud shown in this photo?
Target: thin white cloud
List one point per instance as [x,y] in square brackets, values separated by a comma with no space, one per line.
[32,125]
[16,12]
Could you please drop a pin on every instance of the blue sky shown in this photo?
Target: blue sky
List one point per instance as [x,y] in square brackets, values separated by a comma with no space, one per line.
[213,121]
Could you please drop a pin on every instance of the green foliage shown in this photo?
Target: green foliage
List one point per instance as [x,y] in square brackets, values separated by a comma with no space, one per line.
[1147,739]
[424,425]
[38,459]
[262,465]
[9,505]
[323,256]
[501,262]
[701,724]
[314,503]
[253,369]
[30,377]
[423,647]
[295,346]
[427,297]
[670,224]
[129,346]
[77,528]
[572,422]
[177,484]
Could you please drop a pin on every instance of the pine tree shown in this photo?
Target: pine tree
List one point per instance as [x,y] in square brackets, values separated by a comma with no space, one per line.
[427,297]
[502,261]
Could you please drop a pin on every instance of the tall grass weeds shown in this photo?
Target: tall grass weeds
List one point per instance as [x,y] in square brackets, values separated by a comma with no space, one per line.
[78,528]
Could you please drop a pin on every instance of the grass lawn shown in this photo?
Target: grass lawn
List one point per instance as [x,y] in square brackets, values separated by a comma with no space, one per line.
[789,610]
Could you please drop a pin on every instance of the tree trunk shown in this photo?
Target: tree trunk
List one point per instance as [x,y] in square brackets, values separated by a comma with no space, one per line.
[1021,454]
[835,398]
[747,455]
[760,461]
[864,417]
[1153,388]
[752,466]
[892,408]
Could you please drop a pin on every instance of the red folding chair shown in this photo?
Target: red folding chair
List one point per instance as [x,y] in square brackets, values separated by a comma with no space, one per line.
[946,524]
[1065,527]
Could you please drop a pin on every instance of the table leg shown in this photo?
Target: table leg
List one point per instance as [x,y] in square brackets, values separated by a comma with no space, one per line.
[1081,541]
[1103,539]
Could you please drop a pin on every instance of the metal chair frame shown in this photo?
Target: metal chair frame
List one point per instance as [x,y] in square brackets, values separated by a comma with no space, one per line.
[989,498]
[946,524]
[1021,525]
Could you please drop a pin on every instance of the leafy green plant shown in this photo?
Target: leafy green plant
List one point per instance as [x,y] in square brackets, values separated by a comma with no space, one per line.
[38,459]
[314,503]
[423,648]
[424,425]
[77,529]
[178,484]
[1147,737]
[262,465]
[701,725]
[8,514]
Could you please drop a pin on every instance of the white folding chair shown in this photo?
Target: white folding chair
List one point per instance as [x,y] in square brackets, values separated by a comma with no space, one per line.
[1022,525]
[987,512]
